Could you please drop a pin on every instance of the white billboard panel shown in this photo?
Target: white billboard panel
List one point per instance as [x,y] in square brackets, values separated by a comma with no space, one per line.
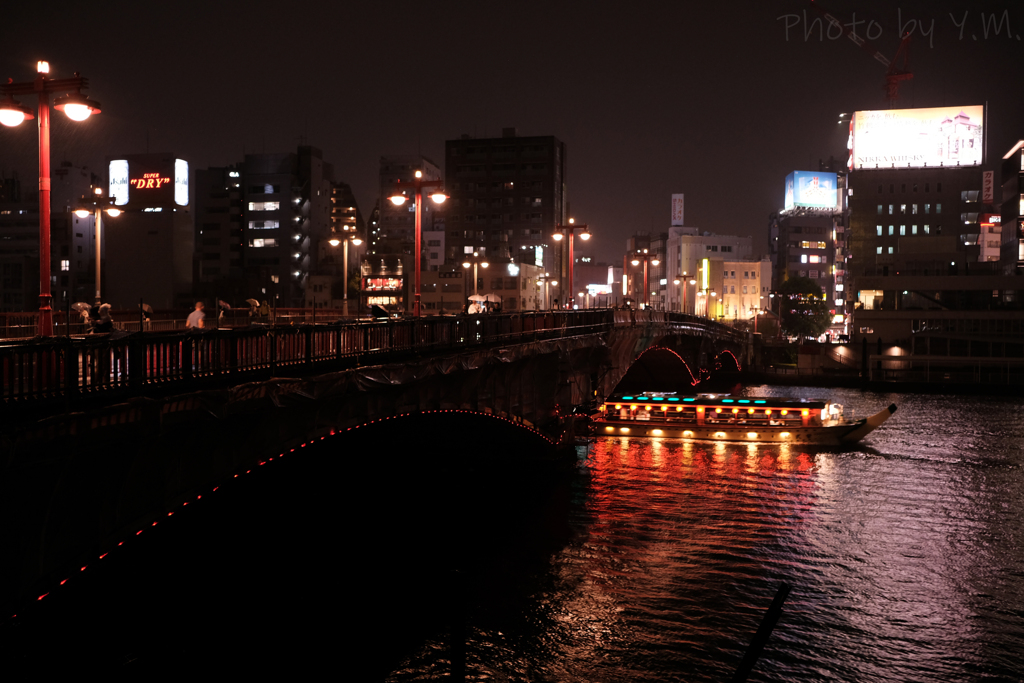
[915,138]
[181,182]
[118,174]
[677,210]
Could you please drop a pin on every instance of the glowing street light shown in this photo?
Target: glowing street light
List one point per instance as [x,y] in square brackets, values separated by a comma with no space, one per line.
[570,230]
[78,108]
[476,261]
[645,258]
[682,282]
[96,205]
[334,241]
[399,198]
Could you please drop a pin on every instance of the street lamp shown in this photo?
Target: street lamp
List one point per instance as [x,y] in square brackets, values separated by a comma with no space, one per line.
[570,230]
[708,294]
[97,205]
[76,107]
[334,241]
[547,280]
[399,198]
[682,282]
[475,262]
[642,255]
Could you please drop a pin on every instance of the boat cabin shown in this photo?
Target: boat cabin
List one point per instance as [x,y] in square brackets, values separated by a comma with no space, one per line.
[711,409]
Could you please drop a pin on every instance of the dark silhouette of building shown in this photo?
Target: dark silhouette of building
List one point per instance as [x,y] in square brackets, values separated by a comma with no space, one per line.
[507,196]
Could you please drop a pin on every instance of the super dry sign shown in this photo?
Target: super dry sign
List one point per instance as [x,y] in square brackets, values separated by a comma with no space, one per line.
[149,181]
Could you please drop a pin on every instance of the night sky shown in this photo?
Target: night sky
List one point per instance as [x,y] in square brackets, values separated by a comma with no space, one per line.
[707,99]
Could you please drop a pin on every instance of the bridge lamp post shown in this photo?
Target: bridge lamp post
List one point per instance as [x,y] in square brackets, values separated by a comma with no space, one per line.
[682,282]
[334,241]
[96,205]
[707,295]
[437,196]
[570,231]
[546,279]
[647,259]
[477,261]
[77,108]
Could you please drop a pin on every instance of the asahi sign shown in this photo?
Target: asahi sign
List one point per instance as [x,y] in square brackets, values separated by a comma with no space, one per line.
[148,181]
[917,138]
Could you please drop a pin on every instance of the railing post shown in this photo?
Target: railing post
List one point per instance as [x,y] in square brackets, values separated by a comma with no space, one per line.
[272,341]
[136,371]
[70,370]
[308,332]
[186,356]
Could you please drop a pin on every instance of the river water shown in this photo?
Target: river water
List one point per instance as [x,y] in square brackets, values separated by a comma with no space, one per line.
[905,556]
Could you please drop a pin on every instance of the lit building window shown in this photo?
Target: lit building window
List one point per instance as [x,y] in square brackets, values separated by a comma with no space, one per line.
[264,206]
[65,265]
[259,243]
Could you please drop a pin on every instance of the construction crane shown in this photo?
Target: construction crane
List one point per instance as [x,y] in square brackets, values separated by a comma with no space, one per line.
[895,72]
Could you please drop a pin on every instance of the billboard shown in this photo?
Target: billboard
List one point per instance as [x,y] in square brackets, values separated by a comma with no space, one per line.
[677,210]
[915,138]
[811,189]
[148,181]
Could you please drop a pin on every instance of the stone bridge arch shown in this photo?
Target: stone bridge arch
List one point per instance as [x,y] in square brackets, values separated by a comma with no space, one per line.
[702,346]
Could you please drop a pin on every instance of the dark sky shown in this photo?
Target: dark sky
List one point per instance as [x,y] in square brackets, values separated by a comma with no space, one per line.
[707,99]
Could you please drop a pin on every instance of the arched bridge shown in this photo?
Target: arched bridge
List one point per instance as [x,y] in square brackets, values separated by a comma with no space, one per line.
[102,433]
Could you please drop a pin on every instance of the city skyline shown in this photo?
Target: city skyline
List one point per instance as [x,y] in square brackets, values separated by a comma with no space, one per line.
[719,106]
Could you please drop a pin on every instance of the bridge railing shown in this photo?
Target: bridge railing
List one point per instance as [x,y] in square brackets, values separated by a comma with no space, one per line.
[69,367]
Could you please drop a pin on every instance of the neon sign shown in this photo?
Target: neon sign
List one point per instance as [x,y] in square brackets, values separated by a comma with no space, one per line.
[149,181]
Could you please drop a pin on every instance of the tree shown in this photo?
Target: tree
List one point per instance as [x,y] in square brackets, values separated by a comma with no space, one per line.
[805,313]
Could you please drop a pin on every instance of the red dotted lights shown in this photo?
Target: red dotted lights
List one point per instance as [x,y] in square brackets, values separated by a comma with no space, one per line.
[333,432]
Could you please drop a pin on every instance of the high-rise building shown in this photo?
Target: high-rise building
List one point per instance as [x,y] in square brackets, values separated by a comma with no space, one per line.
[1011,211]
[262,226]
[219,218]
[507,196]
[807,238]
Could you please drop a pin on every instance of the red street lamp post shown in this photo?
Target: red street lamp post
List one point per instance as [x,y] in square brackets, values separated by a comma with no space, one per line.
[682,282]
[646,258]
[399,198]
[76,107]
[584,235]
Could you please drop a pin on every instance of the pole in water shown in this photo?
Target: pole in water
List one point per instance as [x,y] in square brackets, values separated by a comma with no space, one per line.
[764,631]
[457,637]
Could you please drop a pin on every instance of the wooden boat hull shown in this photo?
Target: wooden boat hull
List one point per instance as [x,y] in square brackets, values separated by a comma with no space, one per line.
[833,435]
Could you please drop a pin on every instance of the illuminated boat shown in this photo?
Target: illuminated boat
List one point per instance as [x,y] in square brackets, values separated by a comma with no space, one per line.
[710,417]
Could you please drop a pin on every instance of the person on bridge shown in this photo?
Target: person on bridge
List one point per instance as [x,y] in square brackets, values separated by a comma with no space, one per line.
[195,318]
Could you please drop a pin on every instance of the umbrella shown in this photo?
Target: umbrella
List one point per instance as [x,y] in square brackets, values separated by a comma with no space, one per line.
[253,303]
[81,307]
[147,308]
[224,304]
[477,297]
[493,298]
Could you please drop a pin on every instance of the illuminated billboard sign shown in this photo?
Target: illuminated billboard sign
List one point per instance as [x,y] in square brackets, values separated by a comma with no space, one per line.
[148,181]
[811,189]
[118,172]
[181,182]
[915,138]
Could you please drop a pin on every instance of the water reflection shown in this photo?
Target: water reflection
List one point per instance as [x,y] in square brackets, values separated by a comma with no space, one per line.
[904,557]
